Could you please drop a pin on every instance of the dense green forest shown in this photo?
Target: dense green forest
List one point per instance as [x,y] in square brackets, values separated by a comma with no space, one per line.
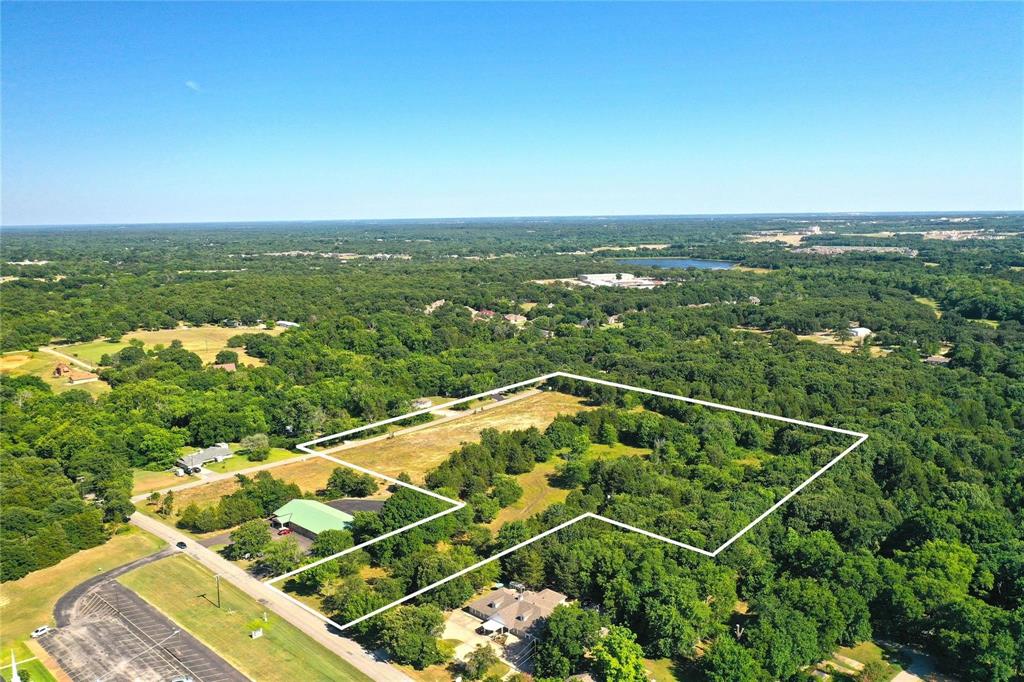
[916,538]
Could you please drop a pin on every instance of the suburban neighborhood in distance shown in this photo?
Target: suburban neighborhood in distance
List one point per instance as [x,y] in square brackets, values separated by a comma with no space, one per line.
[512,342]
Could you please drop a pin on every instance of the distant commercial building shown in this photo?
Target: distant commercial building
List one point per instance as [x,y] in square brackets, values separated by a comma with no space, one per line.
[191,464]
[622,280]
[310,518]
[505,610]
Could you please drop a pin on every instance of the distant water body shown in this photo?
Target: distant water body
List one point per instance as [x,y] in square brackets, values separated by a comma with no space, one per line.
[679,263]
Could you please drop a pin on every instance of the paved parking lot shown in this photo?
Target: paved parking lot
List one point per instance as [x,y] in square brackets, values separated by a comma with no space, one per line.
[115,635]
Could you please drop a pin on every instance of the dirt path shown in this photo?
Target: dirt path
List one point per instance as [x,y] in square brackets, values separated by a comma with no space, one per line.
[64,356]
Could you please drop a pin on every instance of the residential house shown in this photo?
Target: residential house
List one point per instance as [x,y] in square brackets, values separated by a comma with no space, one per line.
[191,464]
[515,611]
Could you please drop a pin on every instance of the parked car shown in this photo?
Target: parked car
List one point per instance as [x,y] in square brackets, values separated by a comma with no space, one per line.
[40,631]
[180,545]
[285,531]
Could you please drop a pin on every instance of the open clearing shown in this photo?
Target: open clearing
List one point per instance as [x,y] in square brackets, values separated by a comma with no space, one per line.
[931,303]
[538,491]
[28,603]
[42,365]
[419,452]
[828,339]
[790,239]
[178,587]
[205,341]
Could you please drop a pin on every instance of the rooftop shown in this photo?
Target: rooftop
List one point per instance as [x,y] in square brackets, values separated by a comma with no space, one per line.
[313,516]
[201,457]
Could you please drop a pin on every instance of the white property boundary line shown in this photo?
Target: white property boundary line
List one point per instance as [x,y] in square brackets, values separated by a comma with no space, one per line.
[458,504]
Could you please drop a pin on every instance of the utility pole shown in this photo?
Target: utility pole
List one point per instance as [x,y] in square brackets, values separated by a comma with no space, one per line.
[218,589]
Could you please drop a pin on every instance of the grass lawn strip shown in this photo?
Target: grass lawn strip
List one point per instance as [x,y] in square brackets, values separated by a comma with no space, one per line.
[185,592]
[28,603]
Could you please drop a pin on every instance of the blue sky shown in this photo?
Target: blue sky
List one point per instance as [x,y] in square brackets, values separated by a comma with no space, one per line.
[192,112]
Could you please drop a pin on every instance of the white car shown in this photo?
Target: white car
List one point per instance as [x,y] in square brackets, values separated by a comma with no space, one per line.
[40,631]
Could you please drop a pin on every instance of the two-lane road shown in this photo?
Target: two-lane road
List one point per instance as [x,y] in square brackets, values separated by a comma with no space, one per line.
[307,622]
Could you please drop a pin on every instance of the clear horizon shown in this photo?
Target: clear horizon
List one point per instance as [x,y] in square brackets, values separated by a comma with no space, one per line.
[581,216]
[231,113]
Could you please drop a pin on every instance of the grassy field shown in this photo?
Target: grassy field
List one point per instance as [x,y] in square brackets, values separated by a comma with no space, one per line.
[204,341]
[283,654]
[41,365]
[865,653]
[310,475]
[28,603]
[931,303]
[146,481]
[539,493]
[421,451]
[661,669]
[829,339]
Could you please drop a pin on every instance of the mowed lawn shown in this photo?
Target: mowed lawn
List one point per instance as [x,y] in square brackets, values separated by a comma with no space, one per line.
[147,481]
[284,654]
[205,341]
[30,670]
[28,603]
[42,365]
[418,452]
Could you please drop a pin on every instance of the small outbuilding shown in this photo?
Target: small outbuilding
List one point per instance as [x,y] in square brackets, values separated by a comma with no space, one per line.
[310,518]
[860,332]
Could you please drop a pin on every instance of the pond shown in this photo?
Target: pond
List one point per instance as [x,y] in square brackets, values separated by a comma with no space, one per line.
[697,263]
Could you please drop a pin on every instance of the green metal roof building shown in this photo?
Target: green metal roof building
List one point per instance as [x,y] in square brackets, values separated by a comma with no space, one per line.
[310,518]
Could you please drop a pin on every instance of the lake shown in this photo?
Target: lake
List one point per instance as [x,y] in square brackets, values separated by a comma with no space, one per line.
[698,263]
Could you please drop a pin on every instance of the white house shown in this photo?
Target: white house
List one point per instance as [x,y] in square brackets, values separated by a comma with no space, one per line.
[860,332]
